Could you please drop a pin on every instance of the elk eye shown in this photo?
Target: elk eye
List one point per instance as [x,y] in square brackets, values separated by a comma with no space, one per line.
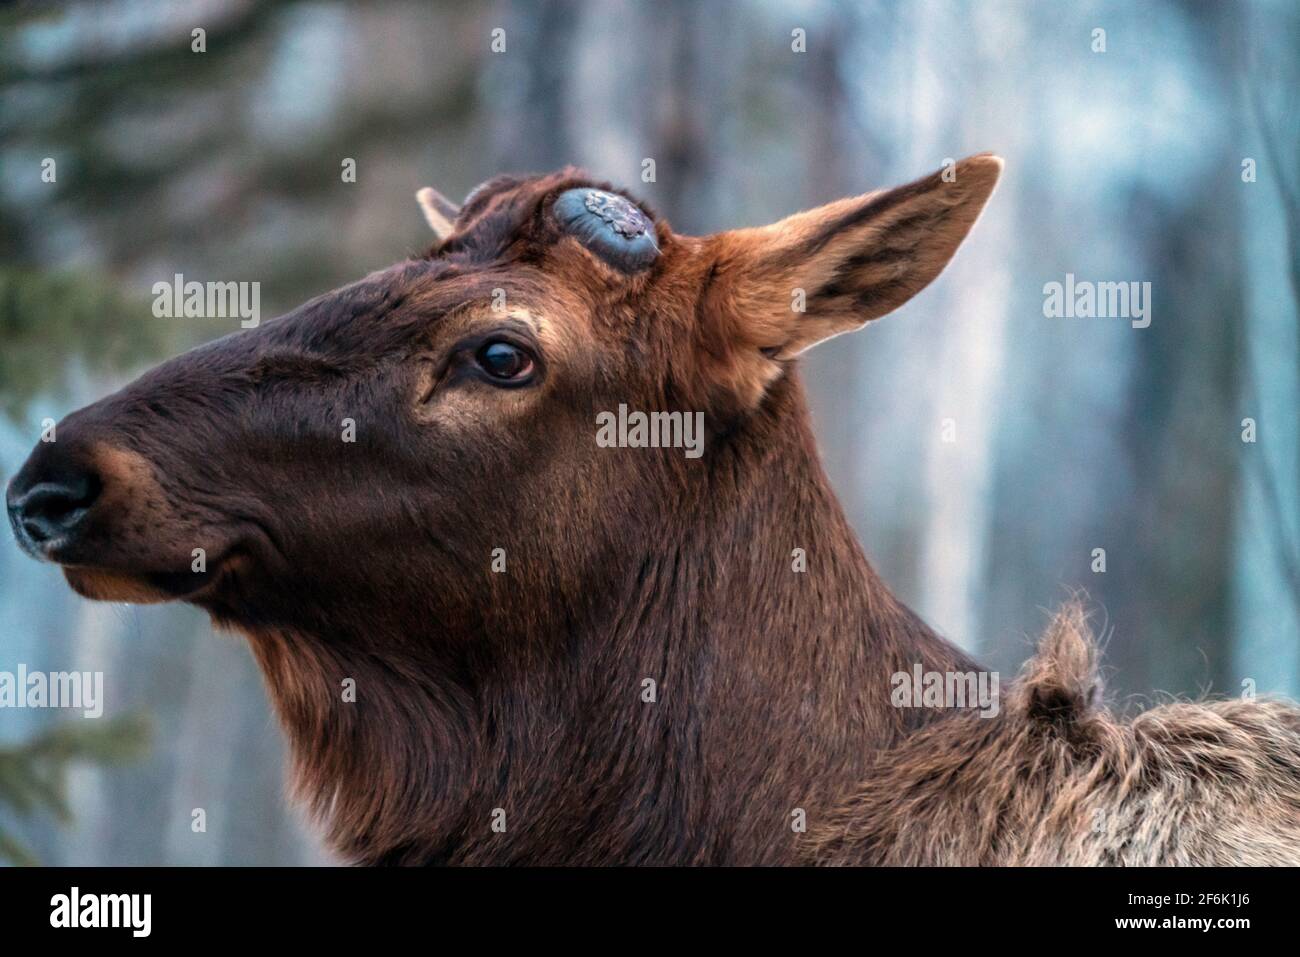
[504,361]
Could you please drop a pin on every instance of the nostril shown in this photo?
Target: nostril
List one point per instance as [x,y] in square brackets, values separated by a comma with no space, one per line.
[49,510]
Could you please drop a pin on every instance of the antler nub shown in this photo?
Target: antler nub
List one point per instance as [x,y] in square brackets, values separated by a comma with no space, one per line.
[439,212]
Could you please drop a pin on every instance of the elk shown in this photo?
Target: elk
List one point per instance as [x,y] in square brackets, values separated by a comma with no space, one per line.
[489,638]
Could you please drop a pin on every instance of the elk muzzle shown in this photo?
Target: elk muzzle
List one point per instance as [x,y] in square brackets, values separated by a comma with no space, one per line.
[97,510]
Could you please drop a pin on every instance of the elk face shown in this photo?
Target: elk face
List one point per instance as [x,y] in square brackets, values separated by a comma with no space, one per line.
[372,450]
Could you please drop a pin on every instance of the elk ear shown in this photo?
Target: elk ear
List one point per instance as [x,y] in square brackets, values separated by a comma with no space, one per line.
[780,289]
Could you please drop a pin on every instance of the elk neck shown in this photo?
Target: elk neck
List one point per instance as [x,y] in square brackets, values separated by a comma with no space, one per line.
[681,710]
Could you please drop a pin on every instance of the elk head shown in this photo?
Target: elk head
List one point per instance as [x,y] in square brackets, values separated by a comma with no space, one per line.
[353,466]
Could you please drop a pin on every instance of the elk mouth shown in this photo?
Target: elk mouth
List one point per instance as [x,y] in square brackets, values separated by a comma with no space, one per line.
[105,583]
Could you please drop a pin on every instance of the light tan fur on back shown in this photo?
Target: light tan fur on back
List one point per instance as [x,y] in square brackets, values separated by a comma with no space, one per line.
[1058,779]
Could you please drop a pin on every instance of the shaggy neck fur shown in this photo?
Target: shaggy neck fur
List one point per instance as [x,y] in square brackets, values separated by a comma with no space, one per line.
[771,691]
[1058,779]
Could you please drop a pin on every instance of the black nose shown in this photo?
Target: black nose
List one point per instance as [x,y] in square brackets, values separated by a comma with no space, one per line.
[46,514]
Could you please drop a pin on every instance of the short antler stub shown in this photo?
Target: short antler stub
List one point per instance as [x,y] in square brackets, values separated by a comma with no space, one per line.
[439,212]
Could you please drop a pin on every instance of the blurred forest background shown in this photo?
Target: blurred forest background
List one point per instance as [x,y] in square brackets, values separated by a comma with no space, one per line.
[1071,435]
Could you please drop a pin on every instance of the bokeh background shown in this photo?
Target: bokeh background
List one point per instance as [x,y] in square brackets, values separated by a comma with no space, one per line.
[1071,435]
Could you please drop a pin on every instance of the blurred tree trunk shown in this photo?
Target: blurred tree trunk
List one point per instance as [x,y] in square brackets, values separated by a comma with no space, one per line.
[533,122]
[1174,574]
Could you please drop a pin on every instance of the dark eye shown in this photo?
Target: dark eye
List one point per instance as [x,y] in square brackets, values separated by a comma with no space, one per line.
[504,361]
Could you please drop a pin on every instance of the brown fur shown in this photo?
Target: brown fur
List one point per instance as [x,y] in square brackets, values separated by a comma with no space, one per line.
[1056,778]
